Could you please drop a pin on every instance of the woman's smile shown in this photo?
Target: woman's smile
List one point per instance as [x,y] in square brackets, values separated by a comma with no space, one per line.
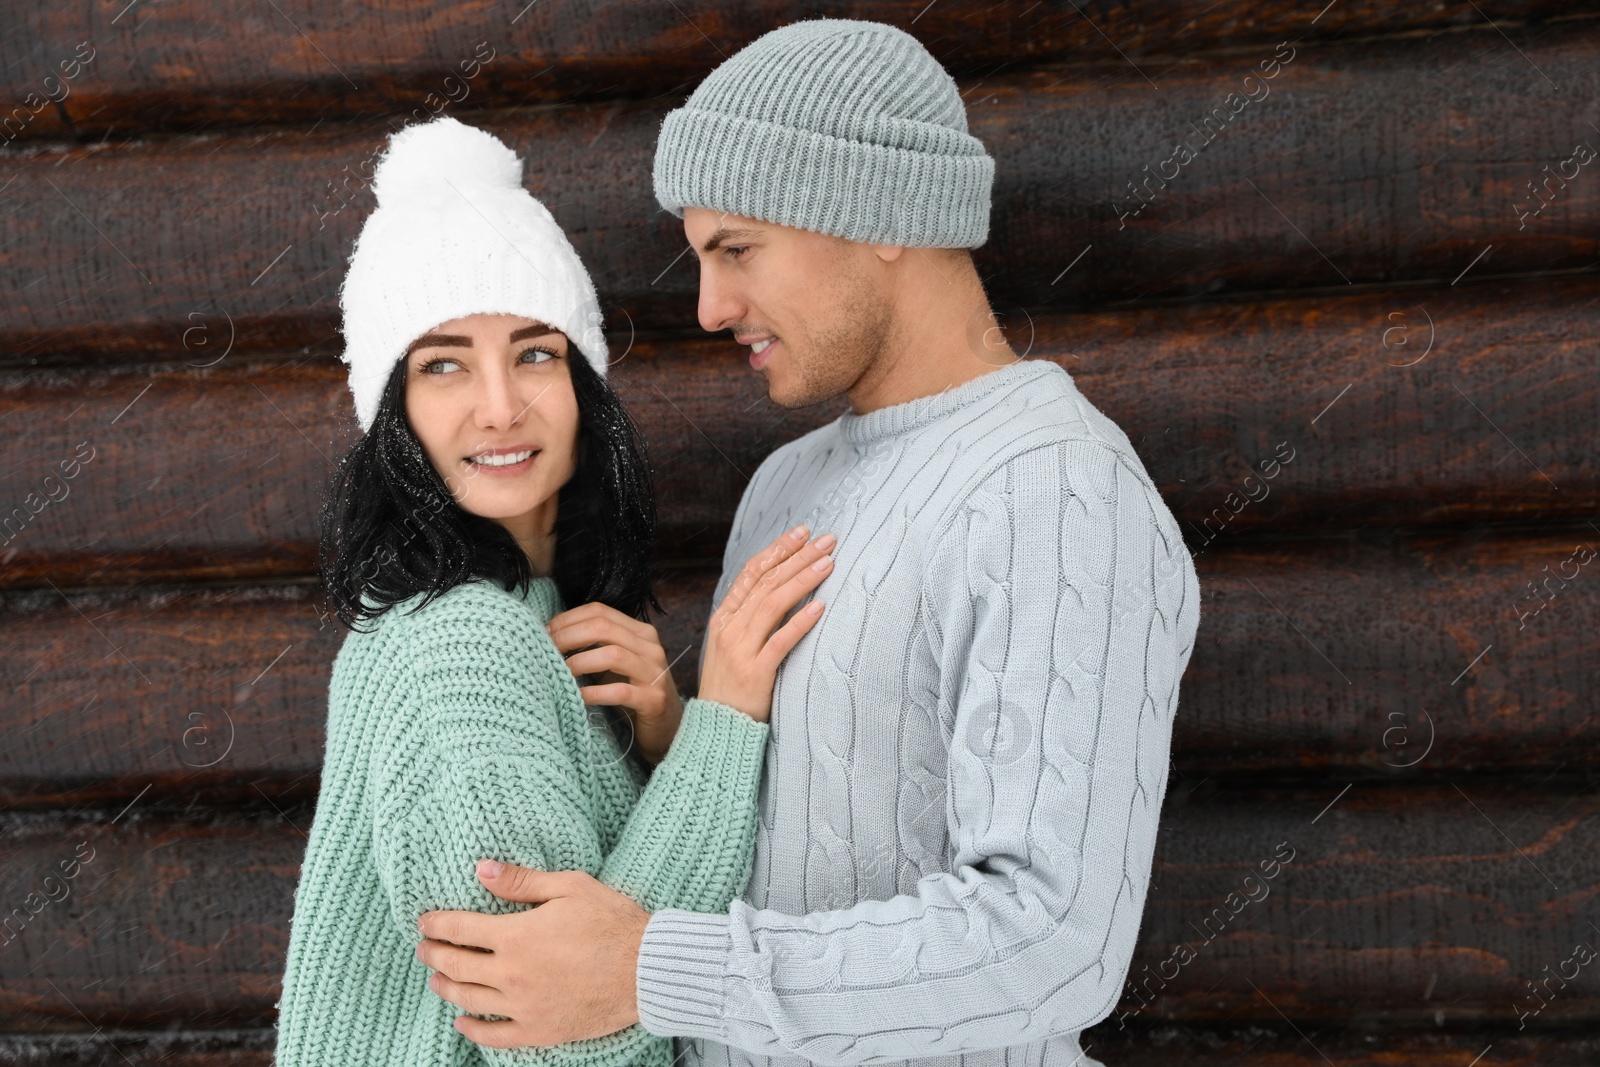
[502,462]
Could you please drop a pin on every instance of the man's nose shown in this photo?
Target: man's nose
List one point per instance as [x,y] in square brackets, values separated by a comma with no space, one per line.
[719,305]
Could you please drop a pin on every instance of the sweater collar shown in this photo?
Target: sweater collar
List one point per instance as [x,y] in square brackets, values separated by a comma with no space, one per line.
[916,413]
[544,598]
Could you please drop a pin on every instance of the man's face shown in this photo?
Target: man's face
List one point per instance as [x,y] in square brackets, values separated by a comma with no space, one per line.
[819,302]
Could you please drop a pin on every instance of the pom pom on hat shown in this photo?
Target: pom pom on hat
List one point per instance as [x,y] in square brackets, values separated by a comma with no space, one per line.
[455,234]
[422,158]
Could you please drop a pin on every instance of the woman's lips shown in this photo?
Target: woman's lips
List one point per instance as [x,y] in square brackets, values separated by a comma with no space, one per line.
[508,471]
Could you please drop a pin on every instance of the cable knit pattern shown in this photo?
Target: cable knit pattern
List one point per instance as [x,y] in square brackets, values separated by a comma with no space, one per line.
[968,752]
[458,733]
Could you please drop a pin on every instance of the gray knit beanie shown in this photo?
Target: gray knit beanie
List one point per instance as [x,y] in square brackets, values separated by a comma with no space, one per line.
[841,126]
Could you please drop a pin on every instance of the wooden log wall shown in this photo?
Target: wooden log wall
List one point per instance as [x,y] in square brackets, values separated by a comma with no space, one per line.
[1351,333]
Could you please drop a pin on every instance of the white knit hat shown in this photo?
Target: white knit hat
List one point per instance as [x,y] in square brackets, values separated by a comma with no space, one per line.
[455,234]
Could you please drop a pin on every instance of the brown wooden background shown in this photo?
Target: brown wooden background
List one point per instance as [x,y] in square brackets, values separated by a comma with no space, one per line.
[1397,669]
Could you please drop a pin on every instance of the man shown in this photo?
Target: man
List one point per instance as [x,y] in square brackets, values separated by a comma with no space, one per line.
[969,751]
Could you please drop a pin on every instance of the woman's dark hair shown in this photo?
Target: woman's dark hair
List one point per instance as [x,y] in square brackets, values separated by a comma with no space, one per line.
[390,528]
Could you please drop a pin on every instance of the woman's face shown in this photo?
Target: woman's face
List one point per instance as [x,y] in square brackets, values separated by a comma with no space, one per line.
[490,398]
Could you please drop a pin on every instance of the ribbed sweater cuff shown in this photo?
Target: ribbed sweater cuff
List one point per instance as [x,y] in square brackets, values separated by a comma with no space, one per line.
[683,966]
[710,729]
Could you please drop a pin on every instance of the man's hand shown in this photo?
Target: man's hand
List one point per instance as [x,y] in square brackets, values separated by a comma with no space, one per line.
[558,972]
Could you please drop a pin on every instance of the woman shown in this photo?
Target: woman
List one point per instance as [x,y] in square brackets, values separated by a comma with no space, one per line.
[497,480]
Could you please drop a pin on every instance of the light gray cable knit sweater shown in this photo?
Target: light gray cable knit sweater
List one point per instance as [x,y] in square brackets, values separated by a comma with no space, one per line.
[968,753]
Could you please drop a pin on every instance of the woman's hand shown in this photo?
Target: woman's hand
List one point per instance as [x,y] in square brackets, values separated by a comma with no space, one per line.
[742,652]
[627,654]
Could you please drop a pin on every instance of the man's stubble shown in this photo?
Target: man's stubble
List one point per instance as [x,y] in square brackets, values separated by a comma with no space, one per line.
[847,343]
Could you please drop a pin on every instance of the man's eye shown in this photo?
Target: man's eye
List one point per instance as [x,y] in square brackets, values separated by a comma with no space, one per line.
[736,248]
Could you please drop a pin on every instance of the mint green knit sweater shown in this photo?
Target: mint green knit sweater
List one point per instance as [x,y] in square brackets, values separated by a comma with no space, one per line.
[458,733]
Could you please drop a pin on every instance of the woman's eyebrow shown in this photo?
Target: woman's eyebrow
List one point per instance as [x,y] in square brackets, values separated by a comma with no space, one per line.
[538,329]
[439,340]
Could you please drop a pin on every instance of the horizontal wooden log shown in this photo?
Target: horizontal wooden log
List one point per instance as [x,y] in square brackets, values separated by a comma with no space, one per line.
[1398,904]
[142,1048]
[147,922]
[1253,1046]
[1448,406]
[220,694]
[127,246]
[1382,904]
[205,64]
[1404,655]
[219,472]
[1412,658]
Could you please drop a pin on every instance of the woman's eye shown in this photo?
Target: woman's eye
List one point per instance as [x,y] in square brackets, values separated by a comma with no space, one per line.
[429,367]
[546,351]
